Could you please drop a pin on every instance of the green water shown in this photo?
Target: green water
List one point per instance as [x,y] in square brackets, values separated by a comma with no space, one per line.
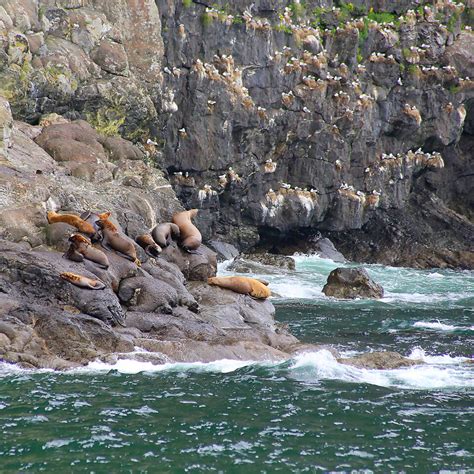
[308,414]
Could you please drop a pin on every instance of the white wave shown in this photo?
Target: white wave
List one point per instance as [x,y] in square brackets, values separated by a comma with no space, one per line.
[419,354]
[391,297]
[435,275]
[296,290]
[322,365]
[9,369]
[130,366]
[437,325]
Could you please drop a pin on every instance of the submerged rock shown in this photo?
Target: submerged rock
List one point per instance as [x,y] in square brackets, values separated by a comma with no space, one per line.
[380,360]
[351,283]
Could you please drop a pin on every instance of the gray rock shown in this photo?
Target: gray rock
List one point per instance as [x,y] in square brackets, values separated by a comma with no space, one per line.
[351,283]
[325,249]
[224,250]
[197,266]
[251,263]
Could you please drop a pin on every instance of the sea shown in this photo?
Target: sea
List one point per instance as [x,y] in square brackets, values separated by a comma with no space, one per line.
[305,414]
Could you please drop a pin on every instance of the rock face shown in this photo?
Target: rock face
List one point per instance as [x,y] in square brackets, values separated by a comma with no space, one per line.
[351,283]
[270,118]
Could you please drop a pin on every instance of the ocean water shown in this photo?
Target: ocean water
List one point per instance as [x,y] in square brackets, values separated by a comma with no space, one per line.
[307,414]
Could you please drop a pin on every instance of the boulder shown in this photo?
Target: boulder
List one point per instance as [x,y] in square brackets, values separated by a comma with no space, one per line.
[250,263]
[350,283]
[325,249]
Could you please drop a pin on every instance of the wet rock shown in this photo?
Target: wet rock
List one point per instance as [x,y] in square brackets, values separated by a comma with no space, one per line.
[379,360]
[351,283]
[245,263]
[325,249]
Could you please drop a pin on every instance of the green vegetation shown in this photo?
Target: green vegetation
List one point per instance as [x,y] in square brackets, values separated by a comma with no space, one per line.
[413,69]
[298,9]
[206,19]
[107,122]
[187,3]
[382,17]
[454,89]
[283,28]
[452,21]
[364,33]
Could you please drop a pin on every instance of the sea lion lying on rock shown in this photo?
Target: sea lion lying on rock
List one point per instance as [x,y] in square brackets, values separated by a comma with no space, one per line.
[146,242]
[80,224]
[81,248]
[82,281]
[190,237]
[113,239]
[164,233]
[242,285]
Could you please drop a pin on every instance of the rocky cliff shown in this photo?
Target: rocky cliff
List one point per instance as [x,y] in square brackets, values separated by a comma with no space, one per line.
[275,119]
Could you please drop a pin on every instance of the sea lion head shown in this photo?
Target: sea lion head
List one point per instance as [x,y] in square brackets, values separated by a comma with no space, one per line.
[79,239]
[104,215]
[105,224]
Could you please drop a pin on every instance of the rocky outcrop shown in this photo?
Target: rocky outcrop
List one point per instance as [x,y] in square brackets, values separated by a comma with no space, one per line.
[272,118]
[252,263]
[349,283]
[163,306]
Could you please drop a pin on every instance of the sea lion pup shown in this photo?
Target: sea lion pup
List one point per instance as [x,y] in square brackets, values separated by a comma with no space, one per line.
[82,281]
[80,224]
[163,233]
[242,285]
[190,237]
[146,242]
[81,247]
[112,239]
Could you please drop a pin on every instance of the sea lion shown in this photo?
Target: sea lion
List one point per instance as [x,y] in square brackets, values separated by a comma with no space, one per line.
[146,242]
[113,239]
[81,247]
[82,281]
[242,285]
[80,224]
[190,237]
[164,233]
[94,217]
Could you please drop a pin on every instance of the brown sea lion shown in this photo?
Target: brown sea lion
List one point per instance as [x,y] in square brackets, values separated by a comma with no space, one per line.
[113,239]
[82,281]
[164,233]
[94,217]
[146,242]
[242,285]
[81,247]
[80,224]
[190,237]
